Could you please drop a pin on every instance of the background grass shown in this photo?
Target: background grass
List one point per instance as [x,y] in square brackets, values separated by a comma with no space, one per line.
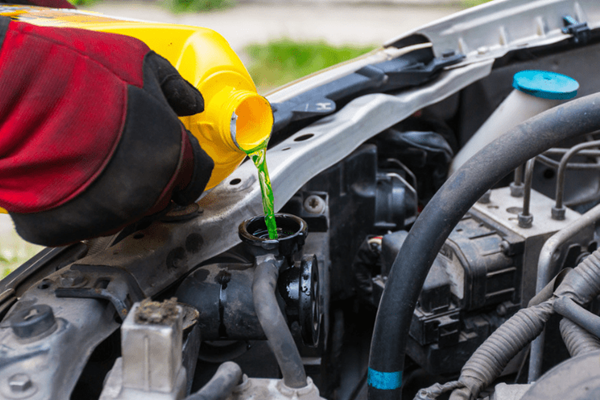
[7,266]
[15,254]
[177,6]
[14,251]
[472,3]
[84,3]
[282,61]
[180,6]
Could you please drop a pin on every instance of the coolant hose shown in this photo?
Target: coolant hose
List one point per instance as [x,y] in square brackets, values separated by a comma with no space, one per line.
[578,340]
[221,385]
[440,216]
[274,325]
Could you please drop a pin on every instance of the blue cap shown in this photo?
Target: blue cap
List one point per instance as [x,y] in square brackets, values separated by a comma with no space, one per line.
[546,85]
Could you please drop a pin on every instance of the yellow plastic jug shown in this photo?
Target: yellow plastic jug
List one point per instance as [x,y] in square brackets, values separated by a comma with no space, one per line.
[235,120]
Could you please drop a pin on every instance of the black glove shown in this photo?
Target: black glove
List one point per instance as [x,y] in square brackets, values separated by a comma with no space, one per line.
[90,138]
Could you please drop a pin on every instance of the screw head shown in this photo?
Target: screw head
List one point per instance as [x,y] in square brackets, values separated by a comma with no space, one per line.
[20,383]
[505,247]
[314,204]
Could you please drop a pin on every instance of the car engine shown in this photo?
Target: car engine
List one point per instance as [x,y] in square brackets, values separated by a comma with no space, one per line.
[420,260]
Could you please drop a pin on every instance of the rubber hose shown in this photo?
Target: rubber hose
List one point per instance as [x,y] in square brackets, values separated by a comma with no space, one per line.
[274,325]
[576,313]
[490,359]
[221,385]
[577,339]
[440,216]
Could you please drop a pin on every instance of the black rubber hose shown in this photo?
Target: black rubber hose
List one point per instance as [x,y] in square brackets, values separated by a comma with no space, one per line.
[274,325]
[578,340]
[221,385]
[440,216]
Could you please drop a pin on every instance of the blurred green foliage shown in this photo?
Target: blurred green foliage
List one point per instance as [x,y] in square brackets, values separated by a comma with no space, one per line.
[177,6]
[7,266]
[473,3]
[83,2]
[14,251]
[180,6]
[282,61]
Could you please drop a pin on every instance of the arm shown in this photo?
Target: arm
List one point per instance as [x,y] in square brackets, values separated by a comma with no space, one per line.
[89,137]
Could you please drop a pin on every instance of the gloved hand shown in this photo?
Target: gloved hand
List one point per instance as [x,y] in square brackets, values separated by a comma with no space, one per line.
[89,136]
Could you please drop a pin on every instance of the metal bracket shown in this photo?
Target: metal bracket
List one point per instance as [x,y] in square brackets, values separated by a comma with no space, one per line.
[101,282]
[151,344]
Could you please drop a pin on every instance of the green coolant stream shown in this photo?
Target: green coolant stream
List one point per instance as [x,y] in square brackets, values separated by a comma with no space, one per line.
[259,158]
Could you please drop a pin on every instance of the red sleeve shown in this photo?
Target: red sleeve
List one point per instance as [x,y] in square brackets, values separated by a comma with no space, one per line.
[40,3]
[62,111]
[51,3]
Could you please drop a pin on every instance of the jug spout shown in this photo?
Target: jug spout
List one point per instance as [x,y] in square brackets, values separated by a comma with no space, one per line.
[245,117]
[234,123]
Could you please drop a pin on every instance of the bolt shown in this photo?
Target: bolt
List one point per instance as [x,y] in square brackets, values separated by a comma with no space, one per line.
[72,278]
[20,383]
[314,204]
[516,190]
[505,247]
[558,214]
[501,310]
[181,213]
[525,221]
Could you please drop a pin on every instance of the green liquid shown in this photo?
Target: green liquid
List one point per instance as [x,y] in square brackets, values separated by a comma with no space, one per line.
[259,158]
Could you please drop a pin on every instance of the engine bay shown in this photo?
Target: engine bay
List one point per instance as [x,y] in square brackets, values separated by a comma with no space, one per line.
[402,274]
